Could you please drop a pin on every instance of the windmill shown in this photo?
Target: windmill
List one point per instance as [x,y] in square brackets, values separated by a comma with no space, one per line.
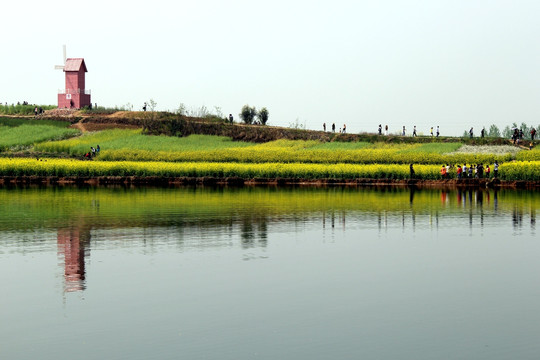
[74,96]
[61,67]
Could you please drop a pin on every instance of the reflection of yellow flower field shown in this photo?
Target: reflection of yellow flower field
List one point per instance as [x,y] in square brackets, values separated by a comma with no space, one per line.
[110,207]
[64,167]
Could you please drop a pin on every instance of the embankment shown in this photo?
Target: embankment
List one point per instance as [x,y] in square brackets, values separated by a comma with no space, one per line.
[164,123]
[237,181]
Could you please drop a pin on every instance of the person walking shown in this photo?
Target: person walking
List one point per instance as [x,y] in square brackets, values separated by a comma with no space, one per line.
[480,170]
[443,172]
[414,131]
[438,131]
[471,133]
[324,127]
[231,119]
[533,133]
[431,131]
[380,129]
[403,131]
[459,172]
[333,127]
[386,130]
[496,170]
[344,128]
[411,171]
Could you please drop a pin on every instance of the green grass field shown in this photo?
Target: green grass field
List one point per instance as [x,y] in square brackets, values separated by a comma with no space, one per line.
[134,141]
[22,136]
[132,145]
[14,122]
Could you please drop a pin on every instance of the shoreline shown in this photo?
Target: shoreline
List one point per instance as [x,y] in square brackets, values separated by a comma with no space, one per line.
[237,181]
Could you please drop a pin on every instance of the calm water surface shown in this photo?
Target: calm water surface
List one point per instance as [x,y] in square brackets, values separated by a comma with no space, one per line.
[266,273]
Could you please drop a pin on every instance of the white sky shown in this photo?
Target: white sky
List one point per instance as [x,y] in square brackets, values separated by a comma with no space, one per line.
[455,64]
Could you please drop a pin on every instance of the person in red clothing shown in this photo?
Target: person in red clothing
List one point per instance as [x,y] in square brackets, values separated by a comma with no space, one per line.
[459,172]
[443,172]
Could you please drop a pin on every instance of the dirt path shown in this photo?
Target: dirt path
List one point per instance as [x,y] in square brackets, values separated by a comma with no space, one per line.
[519,145]
[79,125]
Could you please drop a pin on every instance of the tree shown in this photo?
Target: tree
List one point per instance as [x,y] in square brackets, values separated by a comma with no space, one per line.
[152,105]
[181,109]
[526,128]
[149,117]
[494,131]
[248,114]
[507,132]
[263,115]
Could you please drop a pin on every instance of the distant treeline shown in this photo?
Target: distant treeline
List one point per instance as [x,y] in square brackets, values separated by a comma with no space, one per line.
[495,132]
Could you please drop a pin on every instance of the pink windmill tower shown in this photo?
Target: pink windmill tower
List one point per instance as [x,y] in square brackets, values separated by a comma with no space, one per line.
[74,96]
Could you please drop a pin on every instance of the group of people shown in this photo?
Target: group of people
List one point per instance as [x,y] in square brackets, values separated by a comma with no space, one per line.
[93,152]
[404,131]
[475,171]
[38,111]
[342,130]
[482,133]
[466,172]
[517,135]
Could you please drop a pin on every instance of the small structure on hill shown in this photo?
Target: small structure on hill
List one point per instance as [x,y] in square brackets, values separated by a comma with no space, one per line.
[74,95]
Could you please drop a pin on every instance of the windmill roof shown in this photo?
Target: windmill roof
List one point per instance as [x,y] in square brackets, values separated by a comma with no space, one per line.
[75,64]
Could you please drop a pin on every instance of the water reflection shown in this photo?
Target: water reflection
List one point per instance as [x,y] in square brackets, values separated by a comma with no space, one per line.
[253,232]
[189,219]
[73,247]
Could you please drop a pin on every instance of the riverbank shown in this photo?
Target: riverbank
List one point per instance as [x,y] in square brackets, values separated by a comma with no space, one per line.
[218,159]
[170,124]
[237,181]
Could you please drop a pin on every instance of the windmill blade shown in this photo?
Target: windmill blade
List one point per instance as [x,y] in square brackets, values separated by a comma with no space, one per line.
[64,47]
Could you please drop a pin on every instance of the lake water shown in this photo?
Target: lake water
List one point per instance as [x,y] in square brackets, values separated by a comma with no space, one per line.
[268,273]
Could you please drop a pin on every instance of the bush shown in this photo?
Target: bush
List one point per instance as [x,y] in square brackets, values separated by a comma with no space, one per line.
[263,115]
[247,114]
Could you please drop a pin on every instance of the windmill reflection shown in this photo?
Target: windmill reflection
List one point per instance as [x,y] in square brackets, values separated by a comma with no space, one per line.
[73,246]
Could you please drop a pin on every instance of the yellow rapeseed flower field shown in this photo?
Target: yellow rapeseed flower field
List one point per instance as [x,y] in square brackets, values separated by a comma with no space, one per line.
[526,170]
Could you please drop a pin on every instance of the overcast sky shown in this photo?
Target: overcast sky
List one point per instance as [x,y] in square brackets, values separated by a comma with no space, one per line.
[455,64]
